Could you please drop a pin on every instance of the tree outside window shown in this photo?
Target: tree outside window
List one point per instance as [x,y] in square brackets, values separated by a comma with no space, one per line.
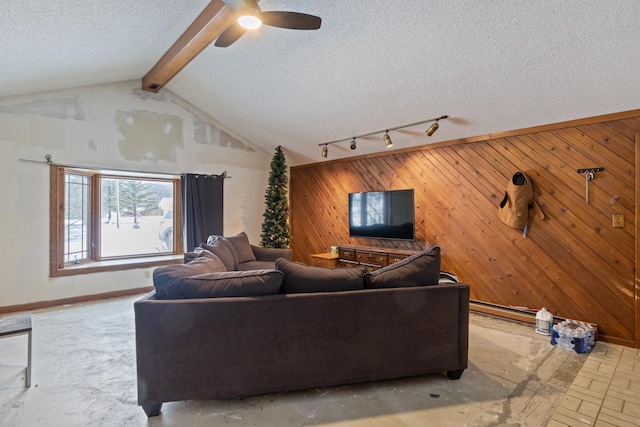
[132,216]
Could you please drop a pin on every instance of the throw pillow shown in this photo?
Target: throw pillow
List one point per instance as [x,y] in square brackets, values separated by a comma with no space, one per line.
[241,244]
[232,284]
[167,278]
[222,250]
[300,278]
[227,244]
[421,269]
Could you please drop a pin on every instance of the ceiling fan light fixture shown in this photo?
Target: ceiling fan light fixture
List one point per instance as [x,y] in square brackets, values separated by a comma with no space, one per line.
[387,140]
[249,19]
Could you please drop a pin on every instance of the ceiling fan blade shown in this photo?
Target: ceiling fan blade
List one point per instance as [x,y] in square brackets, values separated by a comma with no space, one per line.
[235,4]
[252,4]
[230,35]
[291,20]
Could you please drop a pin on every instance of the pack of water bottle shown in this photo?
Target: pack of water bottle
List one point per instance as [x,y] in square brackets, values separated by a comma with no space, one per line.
[573,335]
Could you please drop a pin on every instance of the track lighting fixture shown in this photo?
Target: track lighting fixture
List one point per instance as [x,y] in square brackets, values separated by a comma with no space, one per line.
[433,128]
[386,137]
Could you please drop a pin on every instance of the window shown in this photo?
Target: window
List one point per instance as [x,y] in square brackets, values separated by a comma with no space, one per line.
[106,220]
[77,211]
[132,211]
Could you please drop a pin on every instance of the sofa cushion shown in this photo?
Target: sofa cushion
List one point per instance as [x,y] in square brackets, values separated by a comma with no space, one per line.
[256,265]
[232,284]
[421,269]
[300,278]
[270,254]
[199,251]
[190,256]
[223,250]
[166,278]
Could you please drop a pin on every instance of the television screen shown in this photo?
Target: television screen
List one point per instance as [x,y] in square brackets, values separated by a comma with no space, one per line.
[382,214]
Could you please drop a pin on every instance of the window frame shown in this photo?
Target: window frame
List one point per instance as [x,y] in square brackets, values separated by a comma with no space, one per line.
[57,265]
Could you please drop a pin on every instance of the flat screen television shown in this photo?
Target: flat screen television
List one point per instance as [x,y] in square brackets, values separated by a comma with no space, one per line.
[382,215]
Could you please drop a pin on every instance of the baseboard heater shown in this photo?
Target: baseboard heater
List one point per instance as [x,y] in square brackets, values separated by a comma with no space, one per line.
[514,313]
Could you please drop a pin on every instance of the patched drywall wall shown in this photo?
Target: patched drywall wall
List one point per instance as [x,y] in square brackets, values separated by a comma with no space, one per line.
[58,108]
[149,135]
[113,126]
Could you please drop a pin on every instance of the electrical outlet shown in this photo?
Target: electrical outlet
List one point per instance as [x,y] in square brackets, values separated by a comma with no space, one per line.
[147,274]
[618,220]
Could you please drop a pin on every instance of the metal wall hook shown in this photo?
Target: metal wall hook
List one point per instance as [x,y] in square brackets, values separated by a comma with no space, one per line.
[589,174]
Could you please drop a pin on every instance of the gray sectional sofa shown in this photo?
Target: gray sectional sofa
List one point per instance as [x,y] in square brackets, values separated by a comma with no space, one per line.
[239,333]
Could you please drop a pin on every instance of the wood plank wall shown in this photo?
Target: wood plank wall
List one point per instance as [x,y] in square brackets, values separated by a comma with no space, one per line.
[573,262]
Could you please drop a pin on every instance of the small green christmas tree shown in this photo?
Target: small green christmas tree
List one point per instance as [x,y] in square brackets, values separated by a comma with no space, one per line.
[275,227]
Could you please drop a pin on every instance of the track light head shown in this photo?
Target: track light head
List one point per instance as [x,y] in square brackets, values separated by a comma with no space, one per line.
[433,128]
[325,151]
[353,144]
[387,140]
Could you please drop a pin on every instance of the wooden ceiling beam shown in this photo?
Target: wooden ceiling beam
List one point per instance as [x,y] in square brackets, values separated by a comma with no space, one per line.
[213,20]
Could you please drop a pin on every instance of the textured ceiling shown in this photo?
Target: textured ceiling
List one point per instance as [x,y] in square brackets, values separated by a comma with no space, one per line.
[490,65]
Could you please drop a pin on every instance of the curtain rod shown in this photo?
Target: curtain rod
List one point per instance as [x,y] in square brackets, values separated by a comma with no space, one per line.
[47,161]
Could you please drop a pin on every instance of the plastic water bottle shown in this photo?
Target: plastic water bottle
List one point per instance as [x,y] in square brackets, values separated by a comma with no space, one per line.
[544,322]
[573,335]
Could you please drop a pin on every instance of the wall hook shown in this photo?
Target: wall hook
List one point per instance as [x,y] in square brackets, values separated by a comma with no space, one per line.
[589,174]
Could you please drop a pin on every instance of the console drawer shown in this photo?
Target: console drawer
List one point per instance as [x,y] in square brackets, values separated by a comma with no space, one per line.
[371,258]
[342,263]
[396,257]
[349,254]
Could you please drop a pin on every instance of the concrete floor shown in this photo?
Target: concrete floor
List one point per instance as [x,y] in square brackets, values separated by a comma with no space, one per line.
[84,375]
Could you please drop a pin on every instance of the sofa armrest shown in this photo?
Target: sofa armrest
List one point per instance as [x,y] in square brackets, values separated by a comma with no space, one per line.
[270,254]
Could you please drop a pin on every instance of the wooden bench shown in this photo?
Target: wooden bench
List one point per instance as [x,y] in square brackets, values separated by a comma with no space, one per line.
[18,325]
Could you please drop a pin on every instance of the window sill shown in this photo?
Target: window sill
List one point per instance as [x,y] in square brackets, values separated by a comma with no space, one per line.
[117,265]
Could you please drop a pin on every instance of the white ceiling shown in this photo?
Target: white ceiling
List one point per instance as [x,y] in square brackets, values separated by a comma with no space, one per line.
[490,65]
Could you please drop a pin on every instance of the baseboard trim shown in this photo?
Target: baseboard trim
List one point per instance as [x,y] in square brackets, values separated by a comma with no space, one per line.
[525,316]
[73,300]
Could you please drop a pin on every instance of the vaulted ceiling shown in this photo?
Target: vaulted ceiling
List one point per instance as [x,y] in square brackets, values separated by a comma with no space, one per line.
[490,65]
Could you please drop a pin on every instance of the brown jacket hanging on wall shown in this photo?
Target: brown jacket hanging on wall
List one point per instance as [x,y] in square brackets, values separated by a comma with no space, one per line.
[518,198]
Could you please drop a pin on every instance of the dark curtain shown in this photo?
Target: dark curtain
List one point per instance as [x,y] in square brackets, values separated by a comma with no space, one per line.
[201,208]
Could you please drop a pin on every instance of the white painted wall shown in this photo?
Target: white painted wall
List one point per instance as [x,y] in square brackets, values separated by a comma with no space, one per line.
[112,126]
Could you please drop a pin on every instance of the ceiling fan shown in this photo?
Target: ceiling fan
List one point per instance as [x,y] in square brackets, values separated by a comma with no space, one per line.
[218,21]
[250,17]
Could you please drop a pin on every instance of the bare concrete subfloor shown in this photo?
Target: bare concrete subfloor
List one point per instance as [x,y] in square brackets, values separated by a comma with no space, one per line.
[84,375]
